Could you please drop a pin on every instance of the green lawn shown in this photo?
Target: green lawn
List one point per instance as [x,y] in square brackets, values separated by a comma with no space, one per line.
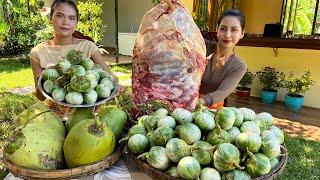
[303,159]
[16,73]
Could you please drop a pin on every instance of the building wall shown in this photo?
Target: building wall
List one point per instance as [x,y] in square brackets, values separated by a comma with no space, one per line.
[130,14]
[296,60]
[259,13]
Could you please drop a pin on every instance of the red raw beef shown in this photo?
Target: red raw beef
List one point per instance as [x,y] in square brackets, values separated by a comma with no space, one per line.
[169,58]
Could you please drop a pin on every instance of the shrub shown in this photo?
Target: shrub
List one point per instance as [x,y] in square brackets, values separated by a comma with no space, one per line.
[269,78]
[90,22]
[23,34]
[12,105]
[297,85]
[246,80]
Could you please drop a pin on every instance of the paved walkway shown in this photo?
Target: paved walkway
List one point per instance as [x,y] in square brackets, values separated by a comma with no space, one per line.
[111,59]
[298,129]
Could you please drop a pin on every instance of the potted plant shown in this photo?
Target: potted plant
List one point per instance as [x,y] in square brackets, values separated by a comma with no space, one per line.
[243,90]
[295,86]
[270,80]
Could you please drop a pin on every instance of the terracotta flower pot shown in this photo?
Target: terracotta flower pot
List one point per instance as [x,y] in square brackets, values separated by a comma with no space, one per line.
[243,92]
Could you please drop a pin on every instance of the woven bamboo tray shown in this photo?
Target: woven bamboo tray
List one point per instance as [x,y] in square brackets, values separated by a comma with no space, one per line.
[99,100]
[73,173]
[160,175]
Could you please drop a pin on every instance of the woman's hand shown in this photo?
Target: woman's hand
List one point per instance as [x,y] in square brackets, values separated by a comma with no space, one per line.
[170,4]
[120,89]
[39,95]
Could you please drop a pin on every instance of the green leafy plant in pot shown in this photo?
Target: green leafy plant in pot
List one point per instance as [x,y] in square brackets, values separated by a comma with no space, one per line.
[295,86]
[243,90]
[270,80]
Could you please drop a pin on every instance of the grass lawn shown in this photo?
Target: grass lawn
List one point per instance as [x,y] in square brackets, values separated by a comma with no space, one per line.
[17,73]
[304,155]
[303,159]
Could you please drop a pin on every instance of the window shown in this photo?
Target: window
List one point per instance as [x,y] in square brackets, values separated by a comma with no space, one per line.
[301,17]
[207,12]
[317,21]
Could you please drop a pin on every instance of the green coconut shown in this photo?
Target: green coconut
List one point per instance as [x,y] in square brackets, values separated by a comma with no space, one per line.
[36,146]
[77,115]
[40,114]
[115,117]
[87,142]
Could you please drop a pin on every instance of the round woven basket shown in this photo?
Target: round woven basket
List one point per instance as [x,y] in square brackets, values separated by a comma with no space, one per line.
[73,173]
[160,175]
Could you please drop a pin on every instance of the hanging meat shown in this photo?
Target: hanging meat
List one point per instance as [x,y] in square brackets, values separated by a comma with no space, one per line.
[169,58]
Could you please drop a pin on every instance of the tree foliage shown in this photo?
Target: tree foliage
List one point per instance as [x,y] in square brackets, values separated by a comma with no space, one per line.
[90,21]
[23,24]
[299,16]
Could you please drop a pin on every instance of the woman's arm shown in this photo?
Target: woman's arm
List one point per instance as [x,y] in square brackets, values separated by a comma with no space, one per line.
[226,87]
[36,69]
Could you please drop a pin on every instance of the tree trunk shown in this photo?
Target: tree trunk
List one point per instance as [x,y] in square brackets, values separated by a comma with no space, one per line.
[28,5]
[295,14]
[291,16]
[213,8]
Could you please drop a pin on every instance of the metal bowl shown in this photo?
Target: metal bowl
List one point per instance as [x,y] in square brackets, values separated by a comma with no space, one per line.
[100,101]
